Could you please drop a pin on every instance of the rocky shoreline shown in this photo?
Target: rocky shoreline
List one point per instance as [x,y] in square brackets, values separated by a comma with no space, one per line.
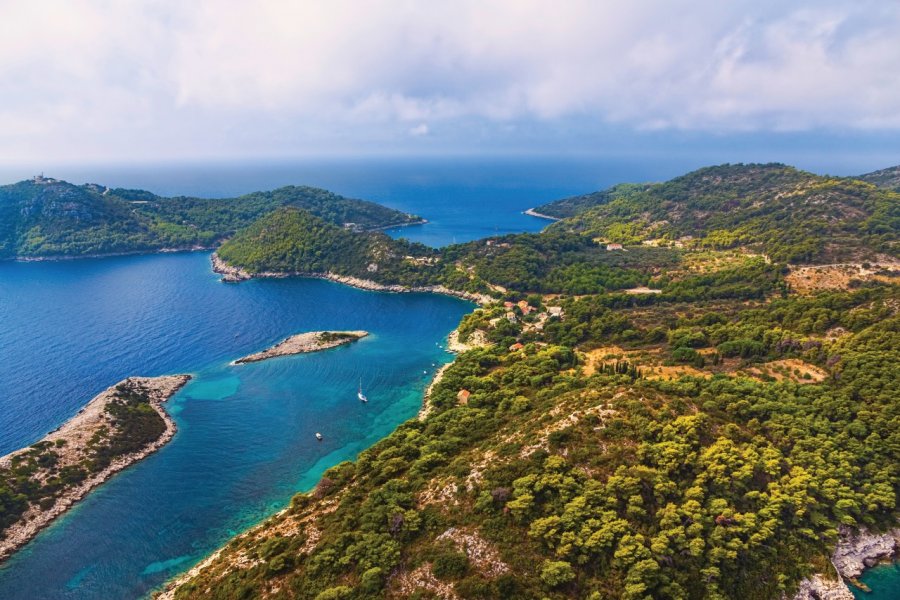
[302,343]
[533,213]
[60,257]
[856,551]
[231,274]
[76,434]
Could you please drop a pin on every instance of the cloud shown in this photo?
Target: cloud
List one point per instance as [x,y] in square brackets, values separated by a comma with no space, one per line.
[157,78]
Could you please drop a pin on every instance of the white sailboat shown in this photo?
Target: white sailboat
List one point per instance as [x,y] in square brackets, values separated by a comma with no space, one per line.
[359,393]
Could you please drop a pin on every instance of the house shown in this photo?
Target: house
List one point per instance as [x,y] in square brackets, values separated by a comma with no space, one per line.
[611,247]
[511,317]
[495,321]
[463,397]
[555,311]
[516,346]
[508,304]
[525,307]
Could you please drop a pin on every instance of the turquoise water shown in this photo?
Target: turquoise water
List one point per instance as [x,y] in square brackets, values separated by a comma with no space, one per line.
[246,434]
[884,580]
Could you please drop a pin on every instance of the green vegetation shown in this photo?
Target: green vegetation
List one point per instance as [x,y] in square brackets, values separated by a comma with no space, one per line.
[885,178]
[46,217]
[702,442]
[791,215]
[292,240]
[613,485]
[42,473]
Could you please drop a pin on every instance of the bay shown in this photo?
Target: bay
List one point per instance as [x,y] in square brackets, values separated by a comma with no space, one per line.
[246,438]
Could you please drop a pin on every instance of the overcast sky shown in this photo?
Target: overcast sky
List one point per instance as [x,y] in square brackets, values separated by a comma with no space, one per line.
[90,80]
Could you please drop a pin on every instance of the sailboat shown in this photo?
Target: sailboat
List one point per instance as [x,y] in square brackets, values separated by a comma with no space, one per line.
[359,394]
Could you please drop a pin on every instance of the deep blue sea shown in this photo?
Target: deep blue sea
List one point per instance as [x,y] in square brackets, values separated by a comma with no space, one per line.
[246,441]
[246,433]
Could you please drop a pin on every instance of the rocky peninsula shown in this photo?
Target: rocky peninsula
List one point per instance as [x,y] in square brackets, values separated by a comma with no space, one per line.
[117,428]
[302,343]
[232,274]
[856,551]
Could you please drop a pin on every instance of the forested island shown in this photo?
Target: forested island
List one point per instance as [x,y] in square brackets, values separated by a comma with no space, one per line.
[49,218]
[118,427]
[714,438]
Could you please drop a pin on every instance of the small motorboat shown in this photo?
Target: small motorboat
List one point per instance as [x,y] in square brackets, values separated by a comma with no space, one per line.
[319,436]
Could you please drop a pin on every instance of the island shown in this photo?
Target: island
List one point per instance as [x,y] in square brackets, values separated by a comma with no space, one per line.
[117,428]
[302,343]
[45,218]
[683,389]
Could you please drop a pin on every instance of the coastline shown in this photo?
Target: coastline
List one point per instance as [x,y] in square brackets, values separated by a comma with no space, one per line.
[533,213]
[304,343]
[457,347]
[232,274]
[150,251]
[856,551]
[62,257]
[80,428]
[421,221]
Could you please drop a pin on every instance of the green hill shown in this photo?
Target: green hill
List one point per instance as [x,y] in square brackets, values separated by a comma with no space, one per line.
[790,215]
[888,179]
[293,240]
[45,217]
[703,435]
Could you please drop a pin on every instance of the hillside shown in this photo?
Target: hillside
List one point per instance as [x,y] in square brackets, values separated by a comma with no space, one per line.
[45,217]
[790,215]
[292,240]
[888,179]
[681,421]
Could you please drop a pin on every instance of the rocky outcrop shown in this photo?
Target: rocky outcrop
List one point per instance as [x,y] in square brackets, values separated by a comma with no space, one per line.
[856,550]
[817,588]
[303,343]
[72,444]
[860,549]
[232,274]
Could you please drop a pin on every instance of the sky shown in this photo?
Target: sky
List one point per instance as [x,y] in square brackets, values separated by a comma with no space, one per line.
[153,80]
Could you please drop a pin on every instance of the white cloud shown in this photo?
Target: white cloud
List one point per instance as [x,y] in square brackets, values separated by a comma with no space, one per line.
[81,78]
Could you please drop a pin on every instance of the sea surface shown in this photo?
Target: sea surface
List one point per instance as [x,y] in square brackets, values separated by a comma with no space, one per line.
[884,581]
[246,434]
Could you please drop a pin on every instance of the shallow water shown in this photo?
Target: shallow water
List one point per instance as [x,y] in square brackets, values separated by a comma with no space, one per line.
[246,439]
[884,580]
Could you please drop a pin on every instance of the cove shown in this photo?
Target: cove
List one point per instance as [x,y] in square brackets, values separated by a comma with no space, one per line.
[245,441]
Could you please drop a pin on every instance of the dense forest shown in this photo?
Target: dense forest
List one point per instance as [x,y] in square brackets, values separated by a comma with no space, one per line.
[686,421]
[45,217]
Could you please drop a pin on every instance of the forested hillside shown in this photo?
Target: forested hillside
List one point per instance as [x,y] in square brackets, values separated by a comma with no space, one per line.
[677,420]
[791,215]
[885,178]
[45,217]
